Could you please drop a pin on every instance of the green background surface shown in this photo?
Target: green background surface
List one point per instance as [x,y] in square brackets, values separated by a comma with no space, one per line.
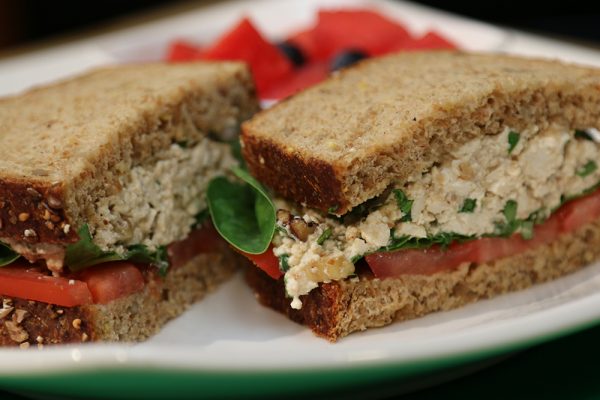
[565,368]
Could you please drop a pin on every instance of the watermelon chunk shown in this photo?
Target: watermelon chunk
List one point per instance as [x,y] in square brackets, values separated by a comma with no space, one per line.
[306,41]
[245,43]
[180,50]
[304,77]
[363,30]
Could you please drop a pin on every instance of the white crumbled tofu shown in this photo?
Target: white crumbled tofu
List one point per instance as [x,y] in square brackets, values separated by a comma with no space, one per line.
[158,202]
[541,167]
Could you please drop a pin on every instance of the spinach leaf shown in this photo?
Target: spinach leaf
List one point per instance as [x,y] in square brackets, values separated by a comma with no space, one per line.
[7,255]
[513,140]
[468,206]
[86,253]
[243,214]
[404,204]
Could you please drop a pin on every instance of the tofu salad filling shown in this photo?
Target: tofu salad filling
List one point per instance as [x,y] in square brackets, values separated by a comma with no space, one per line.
[151,206]
[490,186]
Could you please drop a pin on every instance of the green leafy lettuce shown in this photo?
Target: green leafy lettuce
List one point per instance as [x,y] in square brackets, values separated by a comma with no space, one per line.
[242,213]
[7,255]
[86,253]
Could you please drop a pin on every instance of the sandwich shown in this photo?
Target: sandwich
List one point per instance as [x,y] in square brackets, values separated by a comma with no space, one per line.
[415,183]
[104,232]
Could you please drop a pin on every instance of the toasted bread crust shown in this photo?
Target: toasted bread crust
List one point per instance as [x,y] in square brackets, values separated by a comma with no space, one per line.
[393,117]
[336,309]
[132,318]
[320,185]
[33,213]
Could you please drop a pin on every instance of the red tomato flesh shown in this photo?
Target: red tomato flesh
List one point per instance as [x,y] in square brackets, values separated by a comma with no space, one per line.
[266,261]
[22,281]
[569,217]
[203,240]
[99,284]
[112,280]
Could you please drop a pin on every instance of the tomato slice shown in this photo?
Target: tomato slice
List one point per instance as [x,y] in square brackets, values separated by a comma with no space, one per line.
[569,217]
[266,261]
[578,212]
[202,240]
[23,281]
[245,43]
[112,280]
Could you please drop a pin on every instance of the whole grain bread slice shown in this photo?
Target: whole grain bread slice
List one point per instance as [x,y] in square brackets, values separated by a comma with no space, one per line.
[346,140]
[338,308]
[131,318]
[65,145]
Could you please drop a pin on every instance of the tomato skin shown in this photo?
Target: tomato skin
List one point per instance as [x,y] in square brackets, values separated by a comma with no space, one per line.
[112,280]
[202,240]
[22,281]
[578,212]
[266,261]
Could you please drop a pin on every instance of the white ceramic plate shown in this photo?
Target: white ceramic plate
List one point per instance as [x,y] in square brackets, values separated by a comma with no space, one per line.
[229,345]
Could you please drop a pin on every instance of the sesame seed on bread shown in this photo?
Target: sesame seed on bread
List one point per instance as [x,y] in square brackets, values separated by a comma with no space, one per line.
[64,146]
[344,141]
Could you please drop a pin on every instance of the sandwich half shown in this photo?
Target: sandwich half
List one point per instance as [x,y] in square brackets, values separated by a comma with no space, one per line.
[103,228]
[421,182]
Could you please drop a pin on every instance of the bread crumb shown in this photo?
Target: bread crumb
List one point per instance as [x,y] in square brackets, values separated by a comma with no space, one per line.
[76,323]
[24,345]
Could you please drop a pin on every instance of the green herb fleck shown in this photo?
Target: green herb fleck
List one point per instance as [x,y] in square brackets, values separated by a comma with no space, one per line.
[587,169]
[527,230]
[284,266]
[579,134]
[510,210]
[324,236]
[513,140]
[7,255]
[404,204]
[333,209]
[468,206]
[183,144]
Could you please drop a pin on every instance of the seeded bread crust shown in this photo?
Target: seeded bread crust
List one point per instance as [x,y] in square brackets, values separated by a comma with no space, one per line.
[337,309]
[65,145]
[346,140]
[132,318]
